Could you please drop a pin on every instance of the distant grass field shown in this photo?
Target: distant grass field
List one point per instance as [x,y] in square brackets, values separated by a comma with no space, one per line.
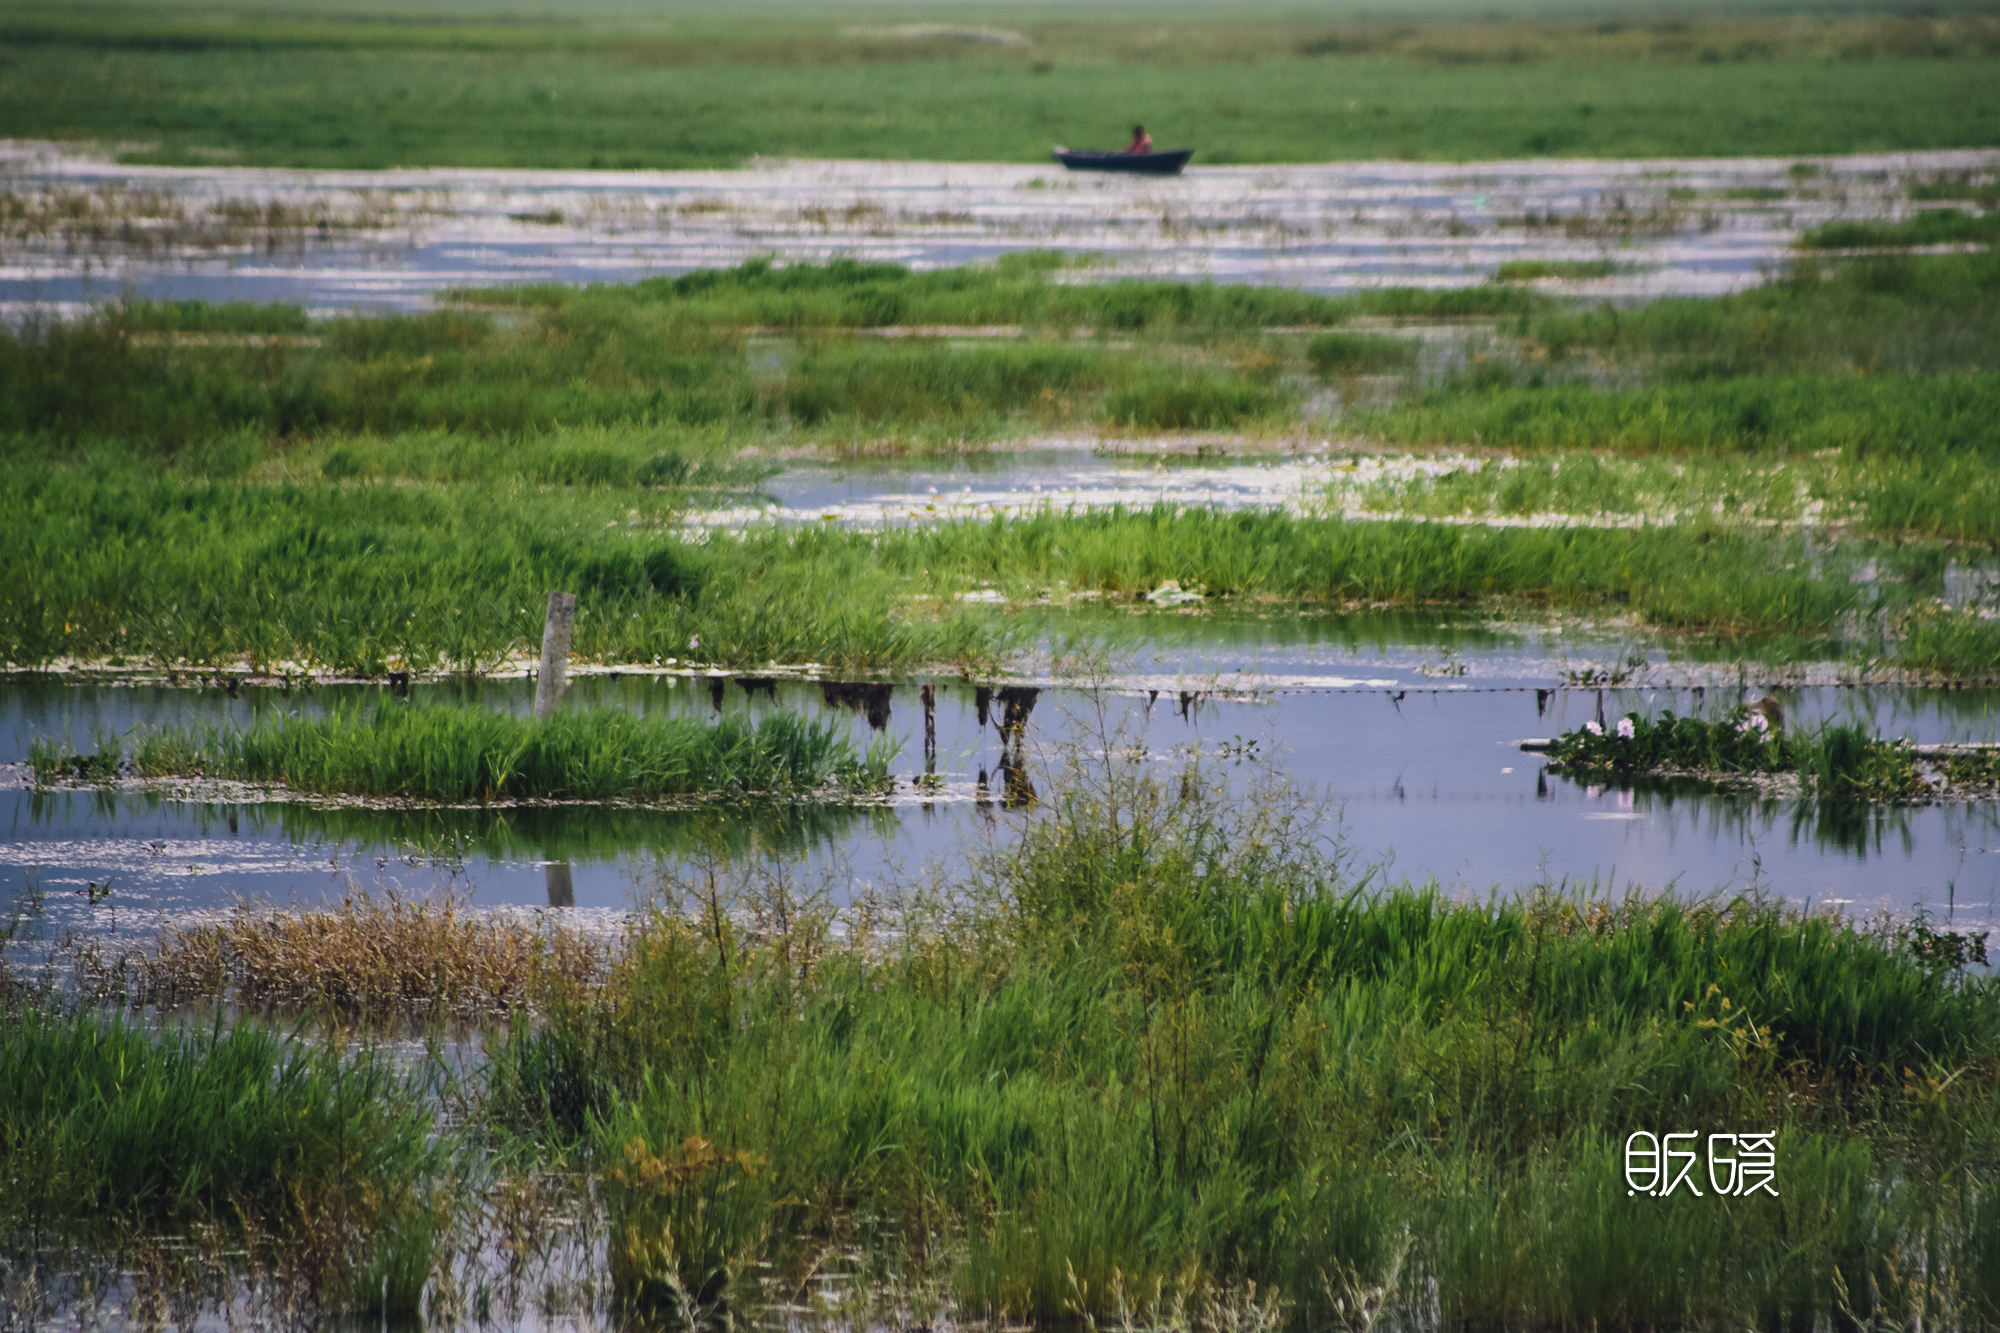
[628,89]
[369,493]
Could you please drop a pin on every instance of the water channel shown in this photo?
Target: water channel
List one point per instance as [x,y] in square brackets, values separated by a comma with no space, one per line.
[1407,728]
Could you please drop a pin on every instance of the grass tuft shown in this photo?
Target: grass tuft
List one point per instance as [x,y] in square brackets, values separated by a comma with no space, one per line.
[320,1159]
[445,753]
[1360,354]
[1531,270]
[1835,761]
[366,955]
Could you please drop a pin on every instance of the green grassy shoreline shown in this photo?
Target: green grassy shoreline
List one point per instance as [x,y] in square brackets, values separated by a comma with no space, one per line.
[1155,1050]
[847,599]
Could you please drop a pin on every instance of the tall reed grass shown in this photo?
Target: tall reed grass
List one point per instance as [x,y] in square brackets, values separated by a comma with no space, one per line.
[1160,1049]
[445,753]
[188,573]
[309,1152]
[1890,417]
[235,516]
[661,354]
[1933,227]
[108,562]
[1899,314]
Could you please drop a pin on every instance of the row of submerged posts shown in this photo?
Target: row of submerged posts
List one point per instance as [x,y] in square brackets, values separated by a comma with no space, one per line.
[867,697]
[1005,706]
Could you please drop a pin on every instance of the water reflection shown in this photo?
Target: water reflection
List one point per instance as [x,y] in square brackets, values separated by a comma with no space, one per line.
[1422,764]
[537,833]
[1855,829]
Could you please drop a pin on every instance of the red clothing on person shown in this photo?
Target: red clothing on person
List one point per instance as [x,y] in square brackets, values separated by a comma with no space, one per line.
[1142,142]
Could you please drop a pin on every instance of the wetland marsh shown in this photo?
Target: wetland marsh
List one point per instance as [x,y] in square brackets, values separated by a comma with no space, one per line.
[1197,755]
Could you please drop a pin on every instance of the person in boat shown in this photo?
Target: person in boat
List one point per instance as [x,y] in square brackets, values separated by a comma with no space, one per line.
[1142,142]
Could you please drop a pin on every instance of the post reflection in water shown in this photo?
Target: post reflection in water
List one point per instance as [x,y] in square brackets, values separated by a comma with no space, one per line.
[561,887]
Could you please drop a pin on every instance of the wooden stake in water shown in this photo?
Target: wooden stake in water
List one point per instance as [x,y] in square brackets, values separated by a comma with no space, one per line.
[929,695]
[555,653]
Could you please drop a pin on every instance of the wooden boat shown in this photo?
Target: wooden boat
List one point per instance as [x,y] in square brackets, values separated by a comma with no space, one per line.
[1168,163]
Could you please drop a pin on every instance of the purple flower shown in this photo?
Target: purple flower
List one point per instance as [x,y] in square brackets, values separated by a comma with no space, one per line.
[1625,729]
[1594,727]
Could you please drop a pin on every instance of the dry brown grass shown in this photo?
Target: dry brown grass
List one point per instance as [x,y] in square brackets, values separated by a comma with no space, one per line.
[371,956]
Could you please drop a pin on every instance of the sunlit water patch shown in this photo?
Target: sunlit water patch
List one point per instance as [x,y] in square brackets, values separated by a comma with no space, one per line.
[338,239]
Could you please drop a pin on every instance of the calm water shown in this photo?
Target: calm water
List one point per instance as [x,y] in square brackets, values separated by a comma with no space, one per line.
[396,237]
[1407,727]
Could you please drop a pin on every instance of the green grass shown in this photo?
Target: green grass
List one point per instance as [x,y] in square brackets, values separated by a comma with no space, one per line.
[1147,1058]
[202,317]
[457,87]
[107,1129]
[1884,370]
[1891,315]
[1949,642]
[1360,354]
[1924,500]
[1660,489]
[1957,188]
[1932,417]
[1528,270]
[117,564]
[1025,289]
[401,492]
[1932,227]
[1158,1046]
[671,356]
[472,754]
[1835,761]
